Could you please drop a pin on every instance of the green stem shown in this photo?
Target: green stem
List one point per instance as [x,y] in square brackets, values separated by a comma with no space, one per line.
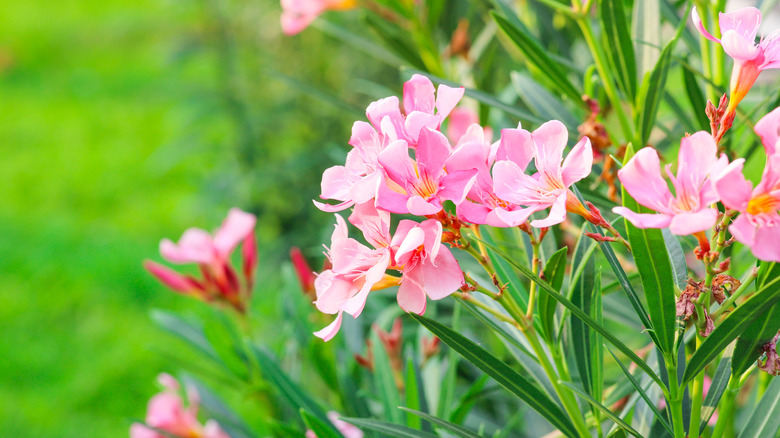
[706,48]
[726,406]
[470,299]
[607,80]
[675,399]
[529,314]
[698,393]
[567,397]
[720,60]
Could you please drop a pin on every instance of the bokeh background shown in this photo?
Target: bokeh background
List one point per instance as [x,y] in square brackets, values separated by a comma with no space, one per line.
[126,121]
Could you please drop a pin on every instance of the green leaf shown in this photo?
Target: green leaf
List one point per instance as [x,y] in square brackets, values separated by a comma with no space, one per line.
[750,344]
[215,408]
[651,92]
[510,379]
[536,55]
[696,98]
[189,332]
[582,297]
[388,429]
[507,274]
[655,270]
[650,402]
[596,349]
[386,390]
[469,399]
[719,382]
[677,258]
[413,393]
[544,287]
[296,396]
[554,272]
[446,425]
[765,419]
[611,415]
[647,34]
[322,430]
[397,41]
[447,395]
[540,100]
[616,37]
[733,325]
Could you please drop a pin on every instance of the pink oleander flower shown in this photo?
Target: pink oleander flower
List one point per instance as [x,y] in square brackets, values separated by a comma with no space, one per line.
[461,120]
[758,226]
[423,106]
[689,210]
[549,187]
[738,38]
[357,269]
[768,128]
[212,255]
[297,15]
[482,205]
[356,182]
[346,429]
[429,268]
[166,412]
[419,187]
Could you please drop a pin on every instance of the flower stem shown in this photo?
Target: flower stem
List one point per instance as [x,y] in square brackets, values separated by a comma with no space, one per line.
[726,408]
[698,393]
[742,288]
[535,262]
[675,398]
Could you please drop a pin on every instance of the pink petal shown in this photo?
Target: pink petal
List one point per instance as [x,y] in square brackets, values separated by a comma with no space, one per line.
[641,177]
[332,291]
[516,145]
[473,212]
[387,107]
[328,208]
[510,183]
[744,22]
[456,185]
[397,163]
[402,230]
[578,163]
[739,48]
[417,122]
[234,229]
[732,187]
[195,246]
[697,154]
[212,430]
[411,296]
[420,207]
[172,279]
[744,230]
[767,243]
[346,429]
[446,99]
[331,330]
[390,200]
[700,26]
[138,430]
[686,223]
[364,190]
[433,149]
[354,306]
[441,276]
[336,183]
[768,128]
[549,140]
[460,121]
[418,95]
[293,23]
[644,220]
[375,224]
[557,213]
[513,218]
[413,239]
[433,231]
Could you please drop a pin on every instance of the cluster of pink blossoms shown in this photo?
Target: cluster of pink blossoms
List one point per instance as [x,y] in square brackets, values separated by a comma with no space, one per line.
[486,181]
[166,415]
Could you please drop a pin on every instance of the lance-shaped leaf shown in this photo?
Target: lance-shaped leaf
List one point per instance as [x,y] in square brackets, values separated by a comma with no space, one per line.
[765,419]
[537,57]
[696,98]
[616,36]
[320,428]
[651,92]
[510,379]
[609,414]
[734,325]
[554,272]
[582,346]
[446,425]
[719,382]
[389,429]
[655,270]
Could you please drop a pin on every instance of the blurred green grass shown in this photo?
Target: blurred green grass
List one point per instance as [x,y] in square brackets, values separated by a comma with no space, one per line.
[122,122]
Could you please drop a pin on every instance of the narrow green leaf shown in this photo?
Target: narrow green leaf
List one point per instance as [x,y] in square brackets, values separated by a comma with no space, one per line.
[596,343]
[647,34]
[733,325]
[394,39]
[677,258]
[750,343]
[544,287]
[216,408]
[541,101]
[650,402]
[320,429]
[582,297]
[510,379]
[651,92]
[189,332]
[446,425]
[413,392]
[554,272]
[696,99]
[765,419]
[506,274]
[384,383]
[389,429]
[611,415]
[616,36]
[469,399]
[719,382]
[655,270]
[296,396]
[537,56]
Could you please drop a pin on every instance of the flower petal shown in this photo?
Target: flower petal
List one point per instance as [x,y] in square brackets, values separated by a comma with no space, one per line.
[446,99]
[578,163]
[411,295]
[700,26]
[234,229]
[442,276]
[549,140]
[768,128]
[331,330]
[456,185]
[641,177]
[686,223]
[732,187]
[418,95]
[516,145]
[644,220]
[433,149]
[744,22]
[739,48]
[557,213]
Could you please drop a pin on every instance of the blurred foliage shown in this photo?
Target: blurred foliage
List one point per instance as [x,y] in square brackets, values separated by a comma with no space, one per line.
[123,122]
